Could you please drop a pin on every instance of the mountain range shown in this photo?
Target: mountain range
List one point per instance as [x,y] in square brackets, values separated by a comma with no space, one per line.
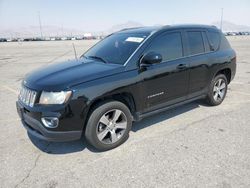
[229,26]
[53,31]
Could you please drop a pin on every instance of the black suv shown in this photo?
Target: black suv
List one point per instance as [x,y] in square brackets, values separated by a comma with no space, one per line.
[125,77]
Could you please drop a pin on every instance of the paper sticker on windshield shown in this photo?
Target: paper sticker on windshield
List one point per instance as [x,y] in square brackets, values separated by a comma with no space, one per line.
[135,39]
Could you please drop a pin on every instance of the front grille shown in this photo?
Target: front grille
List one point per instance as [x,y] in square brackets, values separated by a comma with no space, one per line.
[27,96]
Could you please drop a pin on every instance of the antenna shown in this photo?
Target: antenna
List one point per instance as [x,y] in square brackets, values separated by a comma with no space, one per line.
[221,19]
[40,25]
[74,50]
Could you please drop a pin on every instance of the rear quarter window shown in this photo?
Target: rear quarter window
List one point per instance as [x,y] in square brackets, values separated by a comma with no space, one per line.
[224,44]
[214,39]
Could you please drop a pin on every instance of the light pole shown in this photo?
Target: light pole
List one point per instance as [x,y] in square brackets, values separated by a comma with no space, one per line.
[40,25]
[221,19]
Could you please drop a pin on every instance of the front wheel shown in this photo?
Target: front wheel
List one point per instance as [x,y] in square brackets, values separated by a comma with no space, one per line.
[217,90]
[108,125]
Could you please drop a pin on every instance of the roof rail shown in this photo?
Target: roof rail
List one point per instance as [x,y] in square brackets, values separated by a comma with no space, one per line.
[130,28]
[165,26]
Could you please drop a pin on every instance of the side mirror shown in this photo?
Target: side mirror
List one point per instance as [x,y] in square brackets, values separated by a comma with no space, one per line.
[150,58]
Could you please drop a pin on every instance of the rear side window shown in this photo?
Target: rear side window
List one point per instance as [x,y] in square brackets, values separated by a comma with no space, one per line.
[195,41]
[214,39]
[206,43]
[169,45]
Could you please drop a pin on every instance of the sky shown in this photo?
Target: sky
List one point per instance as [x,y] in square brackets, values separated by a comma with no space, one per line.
[94,15]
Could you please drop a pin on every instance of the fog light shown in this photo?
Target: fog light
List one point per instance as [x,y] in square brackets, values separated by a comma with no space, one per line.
[50,122]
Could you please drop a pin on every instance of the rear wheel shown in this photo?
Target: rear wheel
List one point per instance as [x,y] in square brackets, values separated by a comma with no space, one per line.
[217,90]
[108,125]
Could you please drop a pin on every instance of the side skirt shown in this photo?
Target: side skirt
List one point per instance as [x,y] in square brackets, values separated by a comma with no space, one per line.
[140,116]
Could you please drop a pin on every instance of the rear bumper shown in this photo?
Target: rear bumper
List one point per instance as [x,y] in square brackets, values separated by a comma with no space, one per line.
[36,128]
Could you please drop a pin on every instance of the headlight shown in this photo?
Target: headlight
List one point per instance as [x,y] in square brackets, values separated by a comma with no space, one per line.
[54,97]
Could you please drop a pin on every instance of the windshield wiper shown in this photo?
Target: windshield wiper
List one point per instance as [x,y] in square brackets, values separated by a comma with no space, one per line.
[99,58]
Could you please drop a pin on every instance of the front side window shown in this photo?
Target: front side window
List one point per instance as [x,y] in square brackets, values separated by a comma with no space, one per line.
[195,42]
[169,45]
[116,48]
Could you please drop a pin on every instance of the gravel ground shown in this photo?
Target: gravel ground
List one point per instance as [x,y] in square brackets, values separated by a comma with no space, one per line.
[191,146]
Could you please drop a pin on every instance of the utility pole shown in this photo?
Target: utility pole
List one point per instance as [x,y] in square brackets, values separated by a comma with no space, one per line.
[221,19]
[40,25]
[62,31]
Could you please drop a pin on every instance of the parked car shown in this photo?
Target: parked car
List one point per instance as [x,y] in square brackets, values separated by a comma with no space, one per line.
[3,40]
[28,39]
[127,76]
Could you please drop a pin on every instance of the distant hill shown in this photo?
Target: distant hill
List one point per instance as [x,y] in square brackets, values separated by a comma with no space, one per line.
[54,31]
[229,26]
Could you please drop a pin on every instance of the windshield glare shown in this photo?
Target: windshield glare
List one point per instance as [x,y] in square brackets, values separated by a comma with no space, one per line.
[116,48]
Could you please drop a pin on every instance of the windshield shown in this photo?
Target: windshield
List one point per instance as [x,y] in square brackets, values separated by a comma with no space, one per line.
[116,48]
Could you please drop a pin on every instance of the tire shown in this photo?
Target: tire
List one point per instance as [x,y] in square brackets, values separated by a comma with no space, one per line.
[108,125]
[217,90]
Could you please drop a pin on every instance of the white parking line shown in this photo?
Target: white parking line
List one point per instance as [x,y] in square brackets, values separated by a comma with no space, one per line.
[239,83]
[10,89]
[242,93]
[9,120]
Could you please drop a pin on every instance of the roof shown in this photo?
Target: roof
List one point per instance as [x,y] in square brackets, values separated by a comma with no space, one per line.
[152,29]
[190,26]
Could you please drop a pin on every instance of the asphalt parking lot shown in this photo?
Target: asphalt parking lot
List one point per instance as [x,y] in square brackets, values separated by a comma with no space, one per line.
[191,146]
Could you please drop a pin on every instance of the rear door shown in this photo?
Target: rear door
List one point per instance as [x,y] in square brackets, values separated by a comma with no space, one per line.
[197,50]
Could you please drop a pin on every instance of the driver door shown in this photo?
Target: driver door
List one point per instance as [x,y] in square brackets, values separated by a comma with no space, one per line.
[165,83]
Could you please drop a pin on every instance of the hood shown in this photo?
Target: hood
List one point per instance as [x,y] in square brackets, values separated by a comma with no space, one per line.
[61,76]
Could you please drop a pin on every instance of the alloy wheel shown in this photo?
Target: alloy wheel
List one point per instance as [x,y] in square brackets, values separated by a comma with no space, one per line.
[111,126]
[219,90]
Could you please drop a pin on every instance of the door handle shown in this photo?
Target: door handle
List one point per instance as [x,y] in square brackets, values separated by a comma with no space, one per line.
[181,66]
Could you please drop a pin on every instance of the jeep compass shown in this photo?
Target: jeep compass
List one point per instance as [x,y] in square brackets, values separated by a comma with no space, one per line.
[129,75]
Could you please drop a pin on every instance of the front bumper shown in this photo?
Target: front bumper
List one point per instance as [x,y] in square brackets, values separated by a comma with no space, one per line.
[36,128]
